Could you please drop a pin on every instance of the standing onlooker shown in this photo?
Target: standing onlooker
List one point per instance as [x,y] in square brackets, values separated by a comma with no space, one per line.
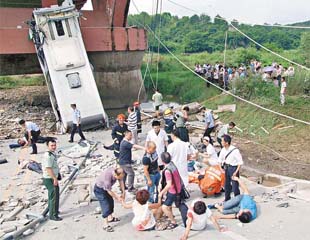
[136,106]
[132,124]
[279,73]
[76,123]
[118,133]
[224,130]
[209,121]
[125,159]
[179,152]
[231,158]
[160,138]
[283,91]
[50,179]
[151,171]
[158,101]
[103,192]
[172,184]
[32,134]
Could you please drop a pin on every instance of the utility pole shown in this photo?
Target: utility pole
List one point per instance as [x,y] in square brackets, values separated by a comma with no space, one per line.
[225,48]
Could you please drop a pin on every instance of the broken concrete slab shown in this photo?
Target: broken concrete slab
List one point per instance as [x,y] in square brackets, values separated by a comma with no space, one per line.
[225,108]
[28,232]
[12,215]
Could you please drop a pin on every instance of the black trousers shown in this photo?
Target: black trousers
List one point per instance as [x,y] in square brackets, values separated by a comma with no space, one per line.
[229,183]
[34,139]
[73,131]
[208,133]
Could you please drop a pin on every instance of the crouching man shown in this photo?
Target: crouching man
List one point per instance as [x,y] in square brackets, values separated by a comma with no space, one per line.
[105,195]
[241,207]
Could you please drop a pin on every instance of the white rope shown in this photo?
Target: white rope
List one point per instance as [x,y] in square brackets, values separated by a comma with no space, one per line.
[227,92]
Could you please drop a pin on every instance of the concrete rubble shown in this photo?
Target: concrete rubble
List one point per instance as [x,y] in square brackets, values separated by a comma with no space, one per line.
[31,195]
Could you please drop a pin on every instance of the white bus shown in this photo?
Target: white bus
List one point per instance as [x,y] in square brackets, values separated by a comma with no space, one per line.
[64,62]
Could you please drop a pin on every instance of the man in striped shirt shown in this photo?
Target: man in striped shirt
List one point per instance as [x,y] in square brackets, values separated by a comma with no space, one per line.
[132,124]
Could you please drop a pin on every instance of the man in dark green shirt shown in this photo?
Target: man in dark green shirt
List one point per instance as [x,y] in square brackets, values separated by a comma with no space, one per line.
[50,179]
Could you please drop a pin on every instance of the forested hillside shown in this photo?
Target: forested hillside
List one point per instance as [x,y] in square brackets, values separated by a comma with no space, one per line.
[199,33]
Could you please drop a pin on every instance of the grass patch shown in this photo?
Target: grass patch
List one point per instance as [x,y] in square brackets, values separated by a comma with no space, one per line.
[9,82]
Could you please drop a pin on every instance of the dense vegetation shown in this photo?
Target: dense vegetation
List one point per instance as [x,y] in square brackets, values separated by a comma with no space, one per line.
[198,33]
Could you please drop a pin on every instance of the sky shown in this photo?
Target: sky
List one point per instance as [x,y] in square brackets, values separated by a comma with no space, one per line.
[245,11]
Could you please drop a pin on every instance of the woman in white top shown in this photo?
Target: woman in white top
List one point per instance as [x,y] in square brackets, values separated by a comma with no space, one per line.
[197,216]
[143,216]
[210,157]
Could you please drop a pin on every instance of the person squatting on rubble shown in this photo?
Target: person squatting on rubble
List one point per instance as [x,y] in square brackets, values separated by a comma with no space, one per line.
[125,159]
[51,176]
[32,133]
[151,171]
[231,160]
[76,123]
[197,218]
[105,195]
[180,123]
[241,207]
[224,130]
[144,211]
[118,133]
[160,138]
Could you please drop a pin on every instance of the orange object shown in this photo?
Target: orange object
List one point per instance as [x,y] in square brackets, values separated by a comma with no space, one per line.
[213,180]
[136,104]
[193,179]
[121,117]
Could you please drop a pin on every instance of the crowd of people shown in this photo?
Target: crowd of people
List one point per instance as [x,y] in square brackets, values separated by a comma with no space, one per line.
[226,76]
[168,161]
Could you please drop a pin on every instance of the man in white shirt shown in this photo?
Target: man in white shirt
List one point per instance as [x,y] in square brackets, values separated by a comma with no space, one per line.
[224,130]
[76,123]
[231,158]
[179,152]
[159,136]
[283,91]
[31,135]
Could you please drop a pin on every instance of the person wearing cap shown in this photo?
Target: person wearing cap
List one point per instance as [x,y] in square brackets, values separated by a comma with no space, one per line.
[231,159]
[136,106]
[210,157]
[31,135]
[118,133]
[76,123]
[169,123]
[242,207]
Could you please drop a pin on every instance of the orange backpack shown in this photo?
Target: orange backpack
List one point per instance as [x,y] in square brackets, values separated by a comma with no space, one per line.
[213,180]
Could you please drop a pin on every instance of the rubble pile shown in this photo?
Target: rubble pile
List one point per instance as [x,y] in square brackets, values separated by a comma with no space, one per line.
[30,103]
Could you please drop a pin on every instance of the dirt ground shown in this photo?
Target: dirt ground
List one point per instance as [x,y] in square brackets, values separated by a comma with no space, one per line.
[290,155]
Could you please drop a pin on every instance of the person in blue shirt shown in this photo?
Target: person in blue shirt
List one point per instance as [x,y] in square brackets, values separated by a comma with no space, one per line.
[241,207]
[209,121]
